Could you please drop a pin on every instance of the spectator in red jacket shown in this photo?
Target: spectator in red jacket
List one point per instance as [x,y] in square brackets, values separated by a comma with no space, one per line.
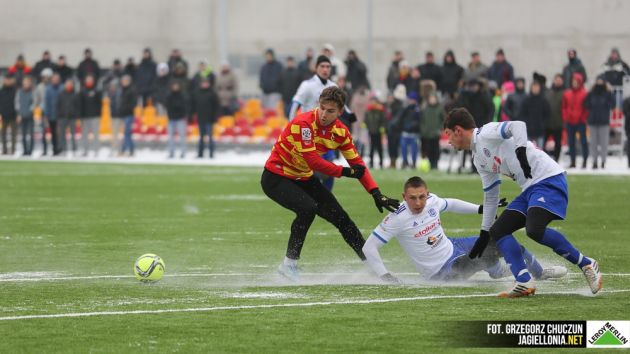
[575,115]
[19,70]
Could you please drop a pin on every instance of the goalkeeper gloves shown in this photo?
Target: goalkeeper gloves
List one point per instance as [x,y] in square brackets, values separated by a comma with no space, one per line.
[521,155]
[382,201]
[355,171]
[480,245]
[502,204]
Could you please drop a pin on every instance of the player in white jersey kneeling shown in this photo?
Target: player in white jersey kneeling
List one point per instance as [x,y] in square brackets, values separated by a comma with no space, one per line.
[502,149]
[418,228]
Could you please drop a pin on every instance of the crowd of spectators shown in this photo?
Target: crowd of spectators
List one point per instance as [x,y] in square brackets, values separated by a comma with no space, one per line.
[405,121]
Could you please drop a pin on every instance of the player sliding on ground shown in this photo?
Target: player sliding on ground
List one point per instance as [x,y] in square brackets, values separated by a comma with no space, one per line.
[417,226]
[502,149]
[288,176]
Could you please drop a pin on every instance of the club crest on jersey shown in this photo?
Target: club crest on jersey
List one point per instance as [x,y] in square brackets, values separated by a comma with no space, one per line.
[432,212]
[486,152]
[307,136]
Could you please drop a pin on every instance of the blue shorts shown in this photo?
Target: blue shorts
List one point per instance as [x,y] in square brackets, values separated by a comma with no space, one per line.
[329,155]
[550,194]
[461,248]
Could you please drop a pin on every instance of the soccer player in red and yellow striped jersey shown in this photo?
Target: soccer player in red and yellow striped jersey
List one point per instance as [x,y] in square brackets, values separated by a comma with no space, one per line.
[288,176]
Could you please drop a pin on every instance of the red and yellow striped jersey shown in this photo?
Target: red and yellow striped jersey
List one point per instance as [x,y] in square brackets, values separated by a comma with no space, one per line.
[299,148]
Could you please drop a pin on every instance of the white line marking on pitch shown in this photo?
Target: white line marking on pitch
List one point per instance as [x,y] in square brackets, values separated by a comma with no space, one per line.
[267,306]
[183,275]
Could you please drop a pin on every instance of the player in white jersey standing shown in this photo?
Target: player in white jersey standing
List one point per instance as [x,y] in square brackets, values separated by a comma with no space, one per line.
[307,98]
[502,149]
[418,228]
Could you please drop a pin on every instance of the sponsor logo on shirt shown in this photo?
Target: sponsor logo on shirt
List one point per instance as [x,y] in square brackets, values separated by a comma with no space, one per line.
[428,229]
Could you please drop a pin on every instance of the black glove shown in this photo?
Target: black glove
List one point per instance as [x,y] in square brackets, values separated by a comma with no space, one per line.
[502,204]
[480,245]
[389,278]
[355,171]
[352,117]
[382,201]
[521,155]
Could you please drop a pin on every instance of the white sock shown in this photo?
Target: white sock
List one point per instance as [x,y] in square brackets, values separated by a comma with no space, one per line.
[290,262]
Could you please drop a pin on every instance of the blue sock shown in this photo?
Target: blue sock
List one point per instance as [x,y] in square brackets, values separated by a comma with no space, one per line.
[511,251]
[556,241]
[328,183]
[532,264]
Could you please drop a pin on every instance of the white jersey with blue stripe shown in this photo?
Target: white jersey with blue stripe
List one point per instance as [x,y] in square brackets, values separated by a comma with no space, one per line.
[493,150]
[420,235]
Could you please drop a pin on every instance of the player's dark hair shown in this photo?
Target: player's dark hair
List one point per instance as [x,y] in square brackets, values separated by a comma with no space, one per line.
[461,117]
[415,182]
[335,95]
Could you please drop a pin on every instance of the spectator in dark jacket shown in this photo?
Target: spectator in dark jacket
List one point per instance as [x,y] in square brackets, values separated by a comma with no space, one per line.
[395,104]
[177,108]
[50,110]
[43,64]
[24,106]
[68,110]
[175,58]
[306,68]
[535,113]
[356,71]
[162,88]
[91,102]
[478,102]
[409,121]
[65,72]
[615,69]
[375,124]
[599,103]
[393,71]
[144,79]
[88,66]
[114,75]
[476,69]
[501,70]
[128,102]
[271,81]
[430,71]
[291,80]
[431,130]
[204,70]
[205,105]
[626,114]
[554,125]
[452,74]
[514,102]
[131,67]
[573,66]
[8,113]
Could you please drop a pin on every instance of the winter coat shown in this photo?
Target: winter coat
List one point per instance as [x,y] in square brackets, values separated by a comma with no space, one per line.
[65,72]
[271,77]
[91,102]
[40,66]
[205,104]
[513,105]
[113,94]
[19,72]
[128,101]
[68,105]
[357,74]
[478,104]
[7,103]
[375,118]
[227,88]
[432,121]
[176,105]
[145,76]
[573,110]
[409,119]
[554,98]
[475,71]
[452,74]
[88,66]
[501,72]
[626,113]
[24,103]
[599,103]
[290,82]
[39,95]
[161,89]
[392,76]
[574,66]
[50,101]
[431,72]
[614,71]
[535,113]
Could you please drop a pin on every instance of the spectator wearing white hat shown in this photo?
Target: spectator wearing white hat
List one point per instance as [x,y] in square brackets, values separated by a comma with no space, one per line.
[338,67]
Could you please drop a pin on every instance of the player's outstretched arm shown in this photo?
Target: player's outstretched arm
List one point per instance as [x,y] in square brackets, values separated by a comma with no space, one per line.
[374,261]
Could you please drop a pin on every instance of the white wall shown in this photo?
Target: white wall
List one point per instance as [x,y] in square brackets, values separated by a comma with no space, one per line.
[534,33]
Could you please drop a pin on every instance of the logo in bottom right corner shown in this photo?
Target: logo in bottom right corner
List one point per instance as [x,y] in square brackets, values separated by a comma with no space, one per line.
[608,334]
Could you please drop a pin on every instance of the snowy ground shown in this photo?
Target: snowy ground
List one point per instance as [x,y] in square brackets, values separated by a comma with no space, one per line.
[256,155]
